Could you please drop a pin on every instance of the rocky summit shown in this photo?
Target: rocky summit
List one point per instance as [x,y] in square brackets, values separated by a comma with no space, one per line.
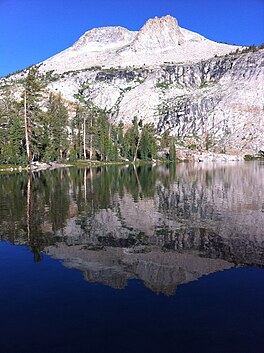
[158,41]
[209,95]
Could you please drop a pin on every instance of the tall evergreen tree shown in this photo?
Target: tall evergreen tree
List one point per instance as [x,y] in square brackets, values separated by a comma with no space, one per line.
[148,145]
[89,114]
[165,139]
[76,134]
[56,124]
[11,130]
[130,141]
[33,116]
[103,134]
[172,152]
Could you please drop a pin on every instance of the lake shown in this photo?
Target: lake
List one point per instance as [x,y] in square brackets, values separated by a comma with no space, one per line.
[124,259]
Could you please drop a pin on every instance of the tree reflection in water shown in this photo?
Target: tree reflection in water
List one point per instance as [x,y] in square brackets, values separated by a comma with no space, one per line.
[165,225]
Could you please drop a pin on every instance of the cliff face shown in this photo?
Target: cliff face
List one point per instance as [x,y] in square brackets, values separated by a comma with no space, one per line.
[180,81]
[216,103]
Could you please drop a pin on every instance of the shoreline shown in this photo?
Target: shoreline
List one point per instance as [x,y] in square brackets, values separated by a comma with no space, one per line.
[192,158]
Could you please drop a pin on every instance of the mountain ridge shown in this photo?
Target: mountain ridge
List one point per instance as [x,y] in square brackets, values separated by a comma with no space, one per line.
[117,46]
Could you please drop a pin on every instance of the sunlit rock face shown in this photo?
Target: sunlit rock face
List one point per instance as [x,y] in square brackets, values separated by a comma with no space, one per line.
[117,46]
[158,35]
[171,77]
[104,38]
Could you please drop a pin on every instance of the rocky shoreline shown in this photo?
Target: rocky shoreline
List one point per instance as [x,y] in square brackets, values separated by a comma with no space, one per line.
[35,167]
[182,154]
[216,157]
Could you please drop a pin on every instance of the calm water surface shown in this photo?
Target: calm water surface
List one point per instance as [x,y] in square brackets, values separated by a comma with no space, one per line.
[123,259]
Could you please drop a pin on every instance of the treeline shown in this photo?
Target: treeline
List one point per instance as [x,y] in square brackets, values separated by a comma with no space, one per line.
[31,130]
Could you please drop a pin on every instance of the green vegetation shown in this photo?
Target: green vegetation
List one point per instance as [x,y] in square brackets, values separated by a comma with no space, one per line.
[140,80]
[162,85]
[193,146]
[251,48]
[204,85]
[257,157]
[37,128]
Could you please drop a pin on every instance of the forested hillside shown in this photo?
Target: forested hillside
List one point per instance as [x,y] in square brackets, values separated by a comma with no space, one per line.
[37,126]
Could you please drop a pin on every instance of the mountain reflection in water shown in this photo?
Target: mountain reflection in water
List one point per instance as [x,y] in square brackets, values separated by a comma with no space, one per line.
[164,225]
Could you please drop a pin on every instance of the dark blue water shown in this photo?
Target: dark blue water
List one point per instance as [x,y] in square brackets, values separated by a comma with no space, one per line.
[45,307]
[122,259]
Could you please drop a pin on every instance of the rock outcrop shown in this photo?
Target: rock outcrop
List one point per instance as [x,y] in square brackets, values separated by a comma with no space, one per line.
[159,40]
[158,35]
[215,104]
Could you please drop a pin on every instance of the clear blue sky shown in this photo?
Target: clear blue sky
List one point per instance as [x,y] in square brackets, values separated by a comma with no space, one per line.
[33,30]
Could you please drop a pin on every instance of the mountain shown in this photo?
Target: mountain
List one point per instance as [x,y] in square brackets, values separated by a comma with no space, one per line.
[209,95]
[117,46]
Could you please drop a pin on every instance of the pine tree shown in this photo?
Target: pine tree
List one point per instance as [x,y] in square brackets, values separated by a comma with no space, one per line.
[172,153]
[103,135]
[11,130]
[120,133]
[165,139]
[33,116]
[56,123]
[76,134]
[131,141]
[89,114]
[148,145]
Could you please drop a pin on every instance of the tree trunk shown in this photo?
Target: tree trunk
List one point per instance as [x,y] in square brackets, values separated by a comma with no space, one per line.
[91,139]
[135,156]
[84,137]
[27,131]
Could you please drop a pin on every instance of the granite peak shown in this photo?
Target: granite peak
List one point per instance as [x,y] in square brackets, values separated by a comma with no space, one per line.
[159,40]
